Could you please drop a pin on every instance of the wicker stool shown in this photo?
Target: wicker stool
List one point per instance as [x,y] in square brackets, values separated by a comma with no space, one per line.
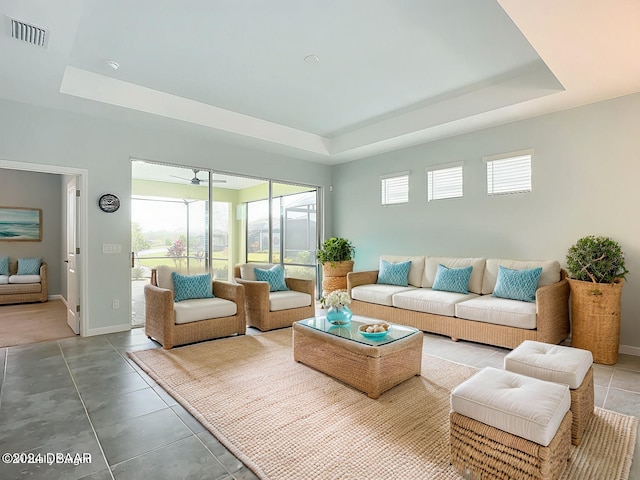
[555,363]
[506,426]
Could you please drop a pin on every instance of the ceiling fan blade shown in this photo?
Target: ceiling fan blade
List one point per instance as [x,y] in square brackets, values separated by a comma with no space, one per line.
[181,178]
[206,180]
[196,180]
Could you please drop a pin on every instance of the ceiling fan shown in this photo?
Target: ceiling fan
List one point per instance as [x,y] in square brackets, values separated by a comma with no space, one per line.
[195,180]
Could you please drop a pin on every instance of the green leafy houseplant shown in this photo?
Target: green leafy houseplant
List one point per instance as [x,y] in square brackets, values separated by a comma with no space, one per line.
[596,270]
[335,250]
[596,259]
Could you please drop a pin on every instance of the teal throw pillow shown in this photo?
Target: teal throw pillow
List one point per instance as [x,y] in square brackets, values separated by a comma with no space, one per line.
[29,266]
[452,279]
[394,273]
[188,287]
[517,284]
[4,265]
[275,277]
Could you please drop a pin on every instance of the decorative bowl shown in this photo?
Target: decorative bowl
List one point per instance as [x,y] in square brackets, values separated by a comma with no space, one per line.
[362,329]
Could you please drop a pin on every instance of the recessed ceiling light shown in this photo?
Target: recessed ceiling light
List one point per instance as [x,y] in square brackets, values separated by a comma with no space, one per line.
[312,59]
[112,65]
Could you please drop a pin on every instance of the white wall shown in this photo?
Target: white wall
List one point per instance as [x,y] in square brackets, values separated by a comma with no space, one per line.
[586,180]
[41,136]
[36,190]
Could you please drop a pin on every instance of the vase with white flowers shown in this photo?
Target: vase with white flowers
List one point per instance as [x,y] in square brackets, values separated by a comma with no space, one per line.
[338,303]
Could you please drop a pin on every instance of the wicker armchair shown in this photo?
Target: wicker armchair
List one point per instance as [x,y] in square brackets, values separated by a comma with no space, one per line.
[264,309]
[160,314]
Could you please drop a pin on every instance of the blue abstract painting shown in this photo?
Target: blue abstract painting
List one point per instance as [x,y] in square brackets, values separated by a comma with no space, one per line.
[20,224]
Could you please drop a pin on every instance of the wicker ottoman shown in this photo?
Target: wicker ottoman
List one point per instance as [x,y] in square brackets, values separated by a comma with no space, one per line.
[555,363]
[507,426]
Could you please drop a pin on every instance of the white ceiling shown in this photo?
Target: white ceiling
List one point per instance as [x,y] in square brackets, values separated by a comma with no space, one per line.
[391,73]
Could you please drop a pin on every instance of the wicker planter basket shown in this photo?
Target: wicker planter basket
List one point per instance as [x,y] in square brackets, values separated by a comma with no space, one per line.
[334,276]
[595,318]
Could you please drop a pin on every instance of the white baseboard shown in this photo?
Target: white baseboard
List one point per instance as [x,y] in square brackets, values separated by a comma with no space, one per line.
[626,349]
[125,327]
[629,350]
[91,332]
[57,297]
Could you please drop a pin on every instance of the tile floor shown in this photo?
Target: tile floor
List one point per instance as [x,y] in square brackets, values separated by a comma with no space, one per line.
[84,395]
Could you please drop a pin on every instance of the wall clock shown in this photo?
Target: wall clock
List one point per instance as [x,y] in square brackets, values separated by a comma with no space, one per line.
[109,203]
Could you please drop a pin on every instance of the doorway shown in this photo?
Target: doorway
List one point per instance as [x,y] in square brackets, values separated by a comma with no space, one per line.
[81,176]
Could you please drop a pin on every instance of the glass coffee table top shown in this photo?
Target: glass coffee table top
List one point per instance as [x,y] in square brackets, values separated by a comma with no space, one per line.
[351,332]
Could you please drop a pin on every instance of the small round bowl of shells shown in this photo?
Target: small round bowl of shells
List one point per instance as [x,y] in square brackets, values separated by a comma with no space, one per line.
[374,330]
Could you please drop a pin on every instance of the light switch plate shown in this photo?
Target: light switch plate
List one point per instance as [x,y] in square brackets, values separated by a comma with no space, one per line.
[111,248]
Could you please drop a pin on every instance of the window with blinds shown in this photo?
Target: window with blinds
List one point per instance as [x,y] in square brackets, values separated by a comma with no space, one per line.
[395,188]
[444,181]
[509,173]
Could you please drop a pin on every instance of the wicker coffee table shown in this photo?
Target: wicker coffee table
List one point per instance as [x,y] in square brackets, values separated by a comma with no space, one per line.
[372,366]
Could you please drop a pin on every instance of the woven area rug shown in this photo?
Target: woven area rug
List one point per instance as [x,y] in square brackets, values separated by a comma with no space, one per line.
[287,421]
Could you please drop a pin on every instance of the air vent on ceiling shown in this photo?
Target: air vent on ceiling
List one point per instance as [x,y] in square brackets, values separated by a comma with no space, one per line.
[29,33]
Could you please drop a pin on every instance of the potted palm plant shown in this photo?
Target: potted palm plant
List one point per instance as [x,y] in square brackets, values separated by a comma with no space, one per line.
[336,257]
[596,268]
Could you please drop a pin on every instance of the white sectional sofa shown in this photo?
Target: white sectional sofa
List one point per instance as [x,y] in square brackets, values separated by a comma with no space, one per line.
[478,315]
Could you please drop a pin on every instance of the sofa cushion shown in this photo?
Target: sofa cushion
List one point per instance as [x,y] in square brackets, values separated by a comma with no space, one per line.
[475,280]
[499,311]
[25,279]
[285,300]
[517,284]
[452,279]
[394,273]
[274,276]
[4,279]
[163,277]
[517,404]
[29,266]
[550,271]
[415,272]
[379,294]
[189,287]
[430,301]
[247,270]
[4,266]
[198,309]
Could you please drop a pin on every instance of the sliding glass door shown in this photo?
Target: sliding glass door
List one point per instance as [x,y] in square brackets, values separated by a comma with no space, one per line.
[169,225]
[197,220]
[259,231]
[282,228]
[296,223]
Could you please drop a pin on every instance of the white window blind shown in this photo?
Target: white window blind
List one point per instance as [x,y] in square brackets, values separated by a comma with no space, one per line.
[444,181]
[395,188]
[509,174]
